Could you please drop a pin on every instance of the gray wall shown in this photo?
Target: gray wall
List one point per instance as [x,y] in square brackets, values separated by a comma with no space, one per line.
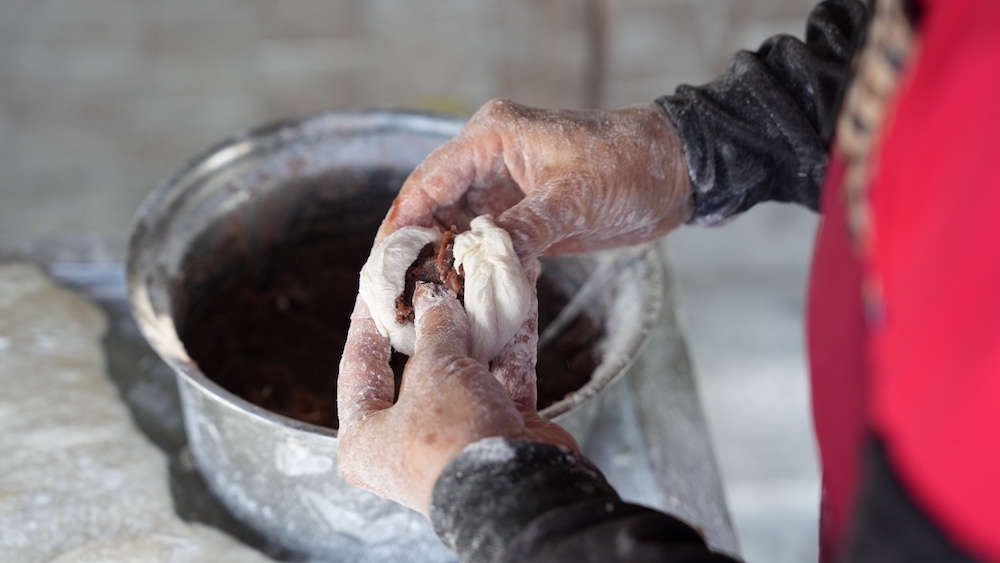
[100,99]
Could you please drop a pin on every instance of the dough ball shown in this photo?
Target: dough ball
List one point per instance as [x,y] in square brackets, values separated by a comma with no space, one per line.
[383,279]
[497,291]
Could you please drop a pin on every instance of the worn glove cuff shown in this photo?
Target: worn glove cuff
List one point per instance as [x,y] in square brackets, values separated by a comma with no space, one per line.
[494,487]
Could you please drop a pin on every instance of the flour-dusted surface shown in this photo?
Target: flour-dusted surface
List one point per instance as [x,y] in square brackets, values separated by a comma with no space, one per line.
[78,482]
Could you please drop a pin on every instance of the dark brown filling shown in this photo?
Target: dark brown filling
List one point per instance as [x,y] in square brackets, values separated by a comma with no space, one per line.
[272,331]
[434,264]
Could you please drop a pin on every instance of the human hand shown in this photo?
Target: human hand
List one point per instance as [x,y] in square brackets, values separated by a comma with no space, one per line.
[557,181]
[447,400]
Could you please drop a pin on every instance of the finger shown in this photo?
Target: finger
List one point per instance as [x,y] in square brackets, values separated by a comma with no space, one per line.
[514,366]
[544,219]
[441,324]
[365,381]
[474,157]
[559,221]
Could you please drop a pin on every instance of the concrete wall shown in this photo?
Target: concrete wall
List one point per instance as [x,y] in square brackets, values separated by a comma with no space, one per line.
[100,99]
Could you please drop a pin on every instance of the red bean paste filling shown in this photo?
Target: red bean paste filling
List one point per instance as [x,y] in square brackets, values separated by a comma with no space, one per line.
[434,264]
[272,330]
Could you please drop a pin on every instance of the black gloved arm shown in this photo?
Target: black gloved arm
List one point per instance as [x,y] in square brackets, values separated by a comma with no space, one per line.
[505,500]
[762,130]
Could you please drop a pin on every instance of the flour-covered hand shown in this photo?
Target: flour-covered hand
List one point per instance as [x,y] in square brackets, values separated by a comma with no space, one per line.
[447,399]
[558,181]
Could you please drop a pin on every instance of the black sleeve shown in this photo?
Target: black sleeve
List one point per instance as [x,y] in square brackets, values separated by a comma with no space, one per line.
[888,524]
[507,501]
[762,130]
[504,500]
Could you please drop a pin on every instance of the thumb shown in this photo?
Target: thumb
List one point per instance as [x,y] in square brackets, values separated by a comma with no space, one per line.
[442,327]
[541,220]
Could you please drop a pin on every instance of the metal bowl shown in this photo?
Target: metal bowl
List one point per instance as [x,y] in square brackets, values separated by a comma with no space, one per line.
[341,171]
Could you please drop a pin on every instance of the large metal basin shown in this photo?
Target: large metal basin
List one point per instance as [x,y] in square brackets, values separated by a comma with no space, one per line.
[336,173]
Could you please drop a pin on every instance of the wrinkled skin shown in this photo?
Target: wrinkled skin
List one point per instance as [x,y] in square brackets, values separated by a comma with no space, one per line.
[446,402]
[558,182]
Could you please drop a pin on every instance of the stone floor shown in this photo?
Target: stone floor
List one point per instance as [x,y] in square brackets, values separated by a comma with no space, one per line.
[101,99]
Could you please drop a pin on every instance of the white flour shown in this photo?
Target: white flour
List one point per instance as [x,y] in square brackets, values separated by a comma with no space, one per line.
[78,482]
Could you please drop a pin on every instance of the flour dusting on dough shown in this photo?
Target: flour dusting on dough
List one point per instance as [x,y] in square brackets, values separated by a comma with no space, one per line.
[498,293]
[383,278]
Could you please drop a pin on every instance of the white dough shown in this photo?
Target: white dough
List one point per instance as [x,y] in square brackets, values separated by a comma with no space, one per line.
[383,278]
[78,482]
[497,291]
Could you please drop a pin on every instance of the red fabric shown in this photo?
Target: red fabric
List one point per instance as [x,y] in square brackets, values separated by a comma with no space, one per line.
[936,198]
[838,363]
